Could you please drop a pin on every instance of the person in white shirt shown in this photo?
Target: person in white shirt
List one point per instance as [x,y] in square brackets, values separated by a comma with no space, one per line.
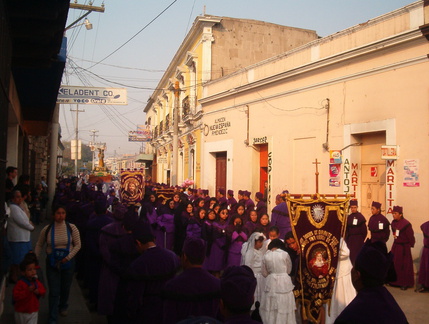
[19,229]
[278,301]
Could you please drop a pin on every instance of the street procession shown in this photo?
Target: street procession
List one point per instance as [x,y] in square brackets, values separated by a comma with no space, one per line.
[266,165]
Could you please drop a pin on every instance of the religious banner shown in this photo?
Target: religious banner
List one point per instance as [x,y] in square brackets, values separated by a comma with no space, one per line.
[132,186]
[318,223]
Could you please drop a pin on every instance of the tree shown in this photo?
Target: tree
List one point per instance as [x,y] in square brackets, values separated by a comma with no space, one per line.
[68,164]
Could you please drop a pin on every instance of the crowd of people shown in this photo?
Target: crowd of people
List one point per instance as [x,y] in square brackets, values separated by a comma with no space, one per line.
[217,259]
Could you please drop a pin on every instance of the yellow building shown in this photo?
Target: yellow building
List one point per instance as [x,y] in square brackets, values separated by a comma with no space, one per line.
[213,48]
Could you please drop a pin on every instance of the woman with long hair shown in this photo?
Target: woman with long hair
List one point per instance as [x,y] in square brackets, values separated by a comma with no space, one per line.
[62,242]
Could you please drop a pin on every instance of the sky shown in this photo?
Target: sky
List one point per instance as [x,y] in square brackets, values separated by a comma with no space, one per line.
[133,41]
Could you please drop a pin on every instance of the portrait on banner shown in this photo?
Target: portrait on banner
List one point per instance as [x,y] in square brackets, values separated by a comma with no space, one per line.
[318,223]
[132,187]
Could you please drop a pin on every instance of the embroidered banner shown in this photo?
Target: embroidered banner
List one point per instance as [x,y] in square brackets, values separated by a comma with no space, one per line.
[132,186]
[318,225]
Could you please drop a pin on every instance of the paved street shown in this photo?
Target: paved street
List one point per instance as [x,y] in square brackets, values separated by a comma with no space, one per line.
[415,305]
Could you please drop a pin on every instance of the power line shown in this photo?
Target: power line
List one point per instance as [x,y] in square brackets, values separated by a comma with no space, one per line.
[118,66]
[129,40]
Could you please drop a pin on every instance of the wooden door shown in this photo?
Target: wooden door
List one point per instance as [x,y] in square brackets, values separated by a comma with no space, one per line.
[373,172]
[220,171]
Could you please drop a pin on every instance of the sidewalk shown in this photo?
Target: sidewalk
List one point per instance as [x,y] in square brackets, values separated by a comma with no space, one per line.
[78,312]
[413,304]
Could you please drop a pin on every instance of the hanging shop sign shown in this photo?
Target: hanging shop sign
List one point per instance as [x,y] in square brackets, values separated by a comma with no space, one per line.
[92,96]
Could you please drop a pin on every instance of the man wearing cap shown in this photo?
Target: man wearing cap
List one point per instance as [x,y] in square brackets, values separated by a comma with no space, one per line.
[237,289]
[373,303]
[231,202]
[93,259]
[147,276]
[378,224]
[356,230]
[240,197]
[280,216]
[261,206]
[195,292]
[248,204]
[404,240]
[108,236]
[221,199]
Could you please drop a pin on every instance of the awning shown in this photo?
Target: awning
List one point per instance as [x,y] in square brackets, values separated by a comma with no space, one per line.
[144,158]
[38,57]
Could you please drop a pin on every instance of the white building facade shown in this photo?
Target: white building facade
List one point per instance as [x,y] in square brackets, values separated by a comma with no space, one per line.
[357,101]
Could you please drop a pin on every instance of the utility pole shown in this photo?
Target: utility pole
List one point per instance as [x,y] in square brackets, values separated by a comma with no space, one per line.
[93,146]
[77,137]
[175,135]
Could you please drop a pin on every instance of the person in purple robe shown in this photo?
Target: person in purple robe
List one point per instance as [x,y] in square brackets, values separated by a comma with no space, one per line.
[109,280]
[221,199]
[93,259]
[216,208]
[181,219]
[249,204]
[236,235]
[231,202]
[237,288]
[213,232]
[199,203]
[195,292]
[404,240]
[356,231]
[264,225]
[261,206]
[280,216]
[373,302]
[424,260]
[240,211]
[151,208]
[212,202]
[240,197]
[164,226]
[176,198]
[253,222]
[378,224]
[206,197]
[111,197]
[123,251]
[147,276]
[195,224]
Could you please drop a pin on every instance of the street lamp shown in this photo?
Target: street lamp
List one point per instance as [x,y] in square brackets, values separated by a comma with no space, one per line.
[86,22]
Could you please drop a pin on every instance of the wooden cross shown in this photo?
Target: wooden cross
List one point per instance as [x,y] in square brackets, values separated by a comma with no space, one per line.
[317,176]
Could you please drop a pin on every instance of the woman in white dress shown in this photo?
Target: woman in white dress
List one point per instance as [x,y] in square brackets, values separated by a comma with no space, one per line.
[278,301]
[252,253]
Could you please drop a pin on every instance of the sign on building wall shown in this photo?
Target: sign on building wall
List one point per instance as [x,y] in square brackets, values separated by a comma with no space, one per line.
[390,185]
[411,173]
[220,127]
[389,152]
[351,177]
[335,156]
[334,175]
[92,96]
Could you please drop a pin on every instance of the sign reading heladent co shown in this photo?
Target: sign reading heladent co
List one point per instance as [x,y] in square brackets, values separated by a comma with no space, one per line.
[92,96]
